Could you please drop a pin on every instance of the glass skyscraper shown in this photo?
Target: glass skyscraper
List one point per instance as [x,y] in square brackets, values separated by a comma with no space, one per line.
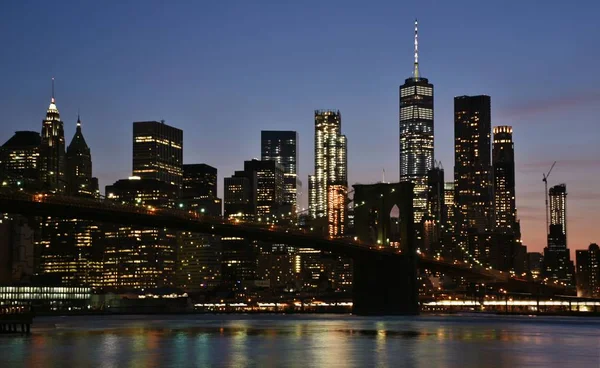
[503,162]
[416,134]
[52,149]
[282,147]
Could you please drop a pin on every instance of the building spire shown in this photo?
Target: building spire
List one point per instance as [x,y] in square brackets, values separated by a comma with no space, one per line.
[78,119]
[52,90]
[416,66]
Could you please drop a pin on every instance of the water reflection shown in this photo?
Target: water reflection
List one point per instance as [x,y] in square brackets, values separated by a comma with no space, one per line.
[305,341]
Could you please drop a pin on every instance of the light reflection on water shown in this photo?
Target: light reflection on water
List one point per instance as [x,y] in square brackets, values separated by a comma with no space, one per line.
[305,341]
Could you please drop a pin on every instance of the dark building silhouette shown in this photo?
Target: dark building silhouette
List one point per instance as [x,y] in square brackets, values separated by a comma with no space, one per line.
[435,218]
[52,150]
[79,167]
[416,134]
[199,192]
[158,152]
[282,147]
[557,257]
[503,162]
[20,159]
[472,165]
[588,272]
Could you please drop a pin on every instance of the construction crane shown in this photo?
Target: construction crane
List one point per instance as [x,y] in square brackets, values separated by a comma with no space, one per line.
[545,180]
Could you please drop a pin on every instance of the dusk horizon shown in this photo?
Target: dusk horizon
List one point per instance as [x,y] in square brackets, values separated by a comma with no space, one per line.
[222,74]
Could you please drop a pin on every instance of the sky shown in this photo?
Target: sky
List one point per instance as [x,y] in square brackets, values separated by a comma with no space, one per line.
[225,70]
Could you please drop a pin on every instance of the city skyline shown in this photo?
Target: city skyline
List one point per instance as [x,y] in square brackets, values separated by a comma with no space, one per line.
[368,153]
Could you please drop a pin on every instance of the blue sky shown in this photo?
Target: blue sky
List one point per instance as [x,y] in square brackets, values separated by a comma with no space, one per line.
[222,71]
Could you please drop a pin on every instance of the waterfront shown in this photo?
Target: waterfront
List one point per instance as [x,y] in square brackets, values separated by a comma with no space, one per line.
[305,341]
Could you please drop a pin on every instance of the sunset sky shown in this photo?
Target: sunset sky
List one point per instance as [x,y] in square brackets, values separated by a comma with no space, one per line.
[222,71]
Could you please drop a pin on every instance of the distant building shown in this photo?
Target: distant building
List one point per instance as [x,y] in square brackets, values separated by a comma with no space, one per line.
[503,162]
[557,257]
[416,134]
[80,181]
[158,152]
[199,192]
[199,262]
[588,272]
[20,160]
[436,215]
[472,164]
[138,257]
[282,147]
[535,263]
[449,234]
[52,150]
[329,186]
[256,192]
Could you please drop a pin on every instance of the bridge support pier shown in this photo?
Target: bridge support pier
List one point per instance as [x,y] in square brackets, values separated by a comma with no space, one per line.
[385,285]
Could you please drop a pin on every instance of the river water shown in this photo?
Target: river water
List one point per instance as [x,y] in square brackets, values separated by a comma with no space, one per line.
[305,341]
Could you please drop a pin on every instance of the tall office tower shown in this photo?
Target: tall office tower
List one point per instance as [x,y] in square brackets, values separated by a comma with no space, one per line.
[158,152]
[588,272]
[330,183]
[52,149]
[79,167]
[472,171]
[137,257]
[416,133]
[19,160]
[198,262]
[237,197]
[199,192]
[435,218]
[557,258]
[503,162]
[312,197]
[282,147]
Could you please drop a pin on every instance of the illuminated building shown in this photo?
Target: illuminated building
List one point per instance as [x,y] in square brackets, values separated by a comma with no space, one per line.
[47,297]
[199,192]
[137,257]
[79,167]
[535,262]
[52,149]
[158,152]
[588,272]
[330,181]
[472,166]
[282,147]
[557,258]
[239,262]
[416,133]
[199,262]
[276,264]
[71,249]
[256,192]
[19,160]
[503,162]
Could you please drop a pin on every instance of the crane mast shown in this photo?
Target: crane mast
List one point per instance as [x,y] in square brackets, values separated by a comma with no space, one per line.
[545,180]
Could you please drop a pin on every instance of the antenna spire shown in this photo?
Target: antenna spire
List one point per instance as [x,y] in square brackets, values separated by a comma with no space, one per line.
[78,119]
[52,89]
[416,67]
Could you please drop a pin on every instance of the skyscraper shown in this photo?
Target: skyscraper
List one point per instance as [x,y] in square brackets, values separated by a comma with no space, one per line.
[557,258]
[19,160]
[503,162]
[588,272]
[472,171]
[158,152]
[328,189]
[416,133]
[52,149]
[79,167]
[282,147]
[199,192]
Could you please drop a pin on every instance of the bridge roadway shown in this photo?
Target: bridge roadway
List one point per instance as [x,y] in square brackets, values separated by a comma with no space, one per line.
[391,264]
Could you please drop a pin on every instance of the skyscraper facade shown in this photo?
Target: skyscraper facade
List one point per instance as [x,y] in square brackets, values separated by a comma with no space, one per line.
[282,147]
[158,152]
[472,169]
[588,271]
[199,192]
[328,189]
[19,160]
[503,162]
[52,149]
[557,258]
[79,167]
[416,134]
